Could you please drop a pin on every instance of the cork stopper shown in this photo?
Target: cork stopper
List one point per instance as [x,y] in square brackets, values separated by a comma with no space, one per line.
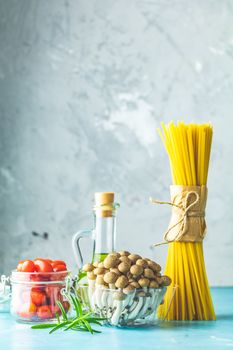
[104,204]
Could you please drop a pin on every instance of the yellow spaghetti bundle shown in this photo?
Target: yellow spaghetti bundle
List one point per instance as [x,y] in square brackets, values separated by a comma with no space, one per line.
[188,147]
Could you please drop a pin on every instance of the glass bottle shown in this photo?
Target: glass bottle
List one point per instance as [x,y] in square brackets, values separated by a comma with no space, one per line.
[103,234]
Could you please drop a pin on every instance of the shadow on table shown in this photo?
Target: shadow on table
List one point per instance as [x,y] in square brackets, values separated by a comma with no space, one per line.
[195,324]
[225,317]
[178,324]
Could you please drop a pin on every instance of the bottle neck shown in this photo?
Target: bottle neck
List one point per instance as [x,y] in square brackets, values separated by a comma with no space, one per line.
[104,236]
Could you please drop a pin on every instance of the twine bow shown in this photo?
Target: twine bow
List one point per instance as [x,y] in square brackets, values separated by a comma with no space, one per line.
[186,212]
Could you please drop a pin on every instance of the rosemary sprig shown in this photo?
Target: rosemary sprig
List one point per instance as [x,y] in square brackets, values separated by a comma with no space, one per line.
[81,322]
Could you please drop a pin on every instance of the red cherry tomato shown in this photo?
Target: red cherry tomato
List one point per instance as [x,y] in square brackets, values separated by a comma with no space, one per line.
[44,312]
[55,310]
[19,266]
[58,268]
[38,297]
[28,266]
[66,305]
[49,260]
[42,259]
[27,310]
[43,266]
[58,262]
[37,277]
[53,291]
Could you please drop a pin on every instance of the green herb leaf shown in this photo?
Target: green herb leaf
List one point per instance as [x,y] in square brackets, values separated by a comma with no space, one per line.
[41,326]
[81,323]
[77,321]
[88,326]
[63,311]
[58,326]
[95,331]
[77,306]
[96,319]
[95,322]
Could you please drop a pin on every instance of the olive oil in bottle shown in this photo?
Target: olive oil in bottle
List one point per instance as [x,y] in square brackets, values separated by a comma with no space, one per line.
[103,235]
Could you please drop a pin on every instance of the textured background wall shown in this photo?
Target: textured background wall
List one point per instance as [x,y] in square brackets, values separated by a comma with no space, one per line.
[83,86]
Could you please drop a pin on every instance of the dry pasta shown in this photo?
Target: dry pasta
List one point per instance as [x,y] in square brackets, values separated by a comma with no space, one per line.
[188,147]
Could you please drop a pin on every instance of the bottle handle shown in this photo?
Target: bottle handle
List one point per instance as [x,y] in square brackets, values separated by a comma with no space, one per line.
[76,246]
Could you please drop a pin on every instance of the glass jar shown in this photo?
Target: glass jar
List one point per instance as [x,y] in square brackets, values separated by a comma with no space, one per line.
[35,295]
[5,294]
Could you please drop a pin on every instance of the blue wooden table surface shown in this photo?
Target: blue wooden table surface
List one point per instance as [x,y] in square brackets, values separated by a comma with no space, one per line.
[169,335]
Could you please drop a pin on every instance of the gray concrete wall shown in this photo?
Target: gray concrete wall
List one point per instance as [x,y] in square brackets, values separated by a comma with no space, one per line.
[83,86]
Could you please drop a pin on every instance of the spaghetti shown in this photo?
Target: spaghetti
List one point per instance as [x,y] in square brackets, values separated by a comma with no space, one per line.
[188,147]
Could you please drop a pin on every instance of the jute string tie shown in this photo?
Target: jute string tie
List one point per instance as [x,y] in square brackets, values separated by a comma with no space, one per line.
[186,225]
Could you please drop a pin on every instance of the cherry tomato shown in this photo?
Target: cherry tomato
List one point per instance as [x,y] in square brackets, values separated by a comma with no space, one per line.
[44,259]
[54,294]
[58,262]
[36,288]
[28,266]
[55,310]
[44,312]
[38,297]
[39,259]
[27,310]
[66,305]
[19,266]
[49,260]
[43,266]
[58,268]
[37,277]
